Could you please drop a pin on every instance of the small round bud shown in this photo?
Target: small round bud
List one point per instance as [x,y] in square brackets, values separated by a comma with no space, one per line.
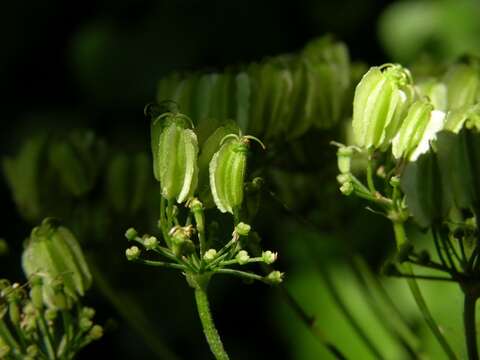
[275,277]
[242,257]
[394,181]
[88,313]
[85,324]
[347,188]
[195,205]
[269,257]
[132,253]
[96,332]
[343,178]
[210,255]
[242,229]
[131,234]
[150,243]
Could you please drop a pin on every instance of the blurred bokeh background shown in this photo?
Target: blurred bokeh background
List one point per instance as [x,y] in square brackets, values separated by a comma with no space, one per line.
[95,65]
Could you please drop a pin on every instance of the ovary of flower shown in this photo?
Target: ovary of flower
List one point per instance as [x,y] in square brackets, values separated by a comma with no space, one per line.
[436,123]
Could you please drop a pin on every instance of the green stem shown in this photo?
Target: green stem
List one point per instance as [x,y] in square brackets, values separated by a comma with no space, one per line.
[346,312]
[470,325]
[200,221]
[7,336]
[209,329]
[401,238]
[242,274]
[370,182]
[47,337]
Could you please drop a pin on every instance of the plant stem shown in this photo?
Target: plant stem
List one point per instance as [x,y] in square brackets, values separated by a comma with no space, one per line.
[401,238]
[47,337]
[209,329]
[346,312]
[370,182]
[470,325]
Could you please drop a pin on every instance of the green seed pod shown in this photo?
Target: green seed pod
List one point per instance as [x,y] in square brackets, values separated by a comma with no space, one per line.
[175,158]
[77,159]
[435,91]
[463,85]
[53,253]
[419,127]
[227,172]
[379,105]
[466,116]
[127,182]
[208,149]
[22,174]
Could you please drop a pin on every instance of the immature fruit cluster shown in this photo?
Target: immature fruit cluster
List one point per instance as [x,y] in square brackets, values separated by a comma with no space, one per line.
[282,96]
[381,101]
[53,254]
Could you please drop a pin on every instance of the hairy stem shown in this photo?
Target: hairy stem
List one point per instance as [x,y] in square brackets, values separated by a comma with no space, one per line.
[209,329]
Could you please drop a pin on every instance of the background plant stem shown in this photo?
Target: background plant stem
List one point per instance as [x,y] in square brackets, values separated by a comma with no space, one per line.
[470,325]
[401,238]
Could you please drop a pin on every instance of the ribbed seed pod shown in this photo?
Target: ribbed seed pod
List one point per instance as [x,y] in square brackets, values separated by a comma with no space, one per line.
[419,126]
[463,85]
[176,158]
[380,102]
[53,253]
[227,172]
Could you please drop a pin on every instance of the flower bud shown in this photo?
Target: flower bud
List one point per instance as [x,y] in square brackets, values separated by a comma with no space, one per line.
[53,253]
[175,153]
[131,234]
[85,324]
[96,332]
[132,253]
[88,312]
[150,243]
[269,257]
[394,181]
[210,255]
[275,277]
[242,229]
[380,103]
[347,188]
[227,172]
[181,243]
[242,257]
